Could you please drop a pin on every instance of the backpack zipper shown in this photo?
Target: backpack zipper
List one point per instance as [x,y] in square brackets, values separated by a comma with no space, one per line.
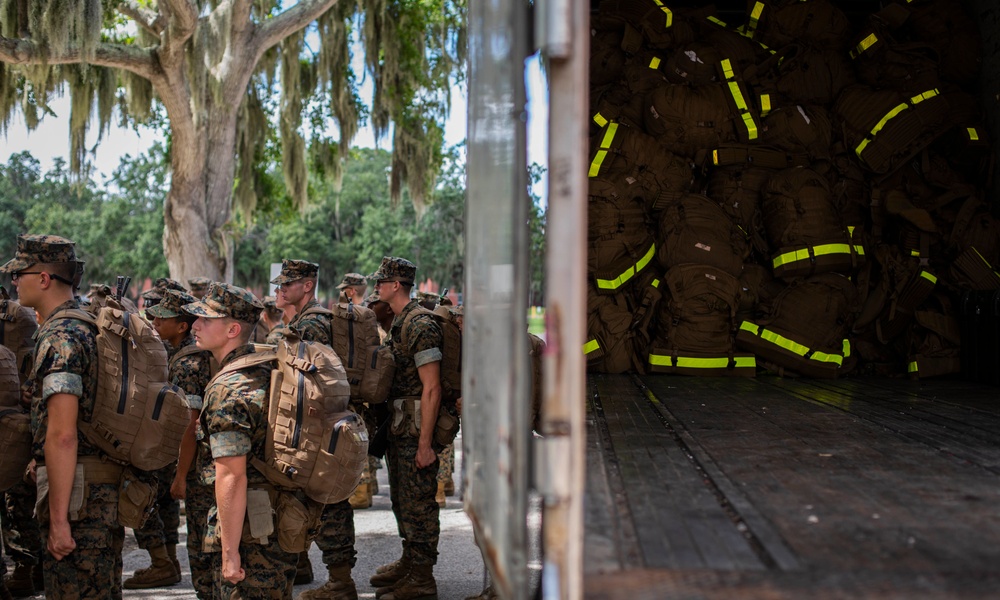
[123,397]
[160,397]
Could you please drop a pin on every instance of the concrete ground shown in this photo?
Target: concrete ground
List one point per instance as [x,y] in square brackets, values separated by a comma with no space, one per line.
[459,572]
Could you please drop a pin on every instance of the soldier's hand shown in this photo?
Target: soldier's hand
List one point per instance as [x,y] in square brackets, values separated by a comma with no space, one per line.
[178,488]
[61,541]
[231,569]
[425,456]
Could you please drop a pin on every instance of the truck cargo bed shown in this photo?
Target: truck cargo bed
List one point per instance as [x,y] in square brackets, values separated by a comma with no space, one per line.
[787,488]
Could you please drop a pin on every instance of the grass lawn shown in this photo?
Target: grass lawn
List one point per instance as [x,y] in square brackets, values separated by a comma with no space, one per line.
[536,320]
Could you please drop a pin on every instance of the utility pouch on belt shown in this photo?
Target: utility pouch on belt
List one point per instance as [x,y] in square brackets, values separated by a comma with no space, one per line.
[135,500]
[405,417]
[77,498]
[446,427]
[260,517]
[298,522]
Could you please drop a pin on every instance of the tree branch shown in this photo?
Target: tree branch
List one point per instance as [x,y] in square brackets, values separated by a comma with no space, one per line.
[145,18]
[288,22]
[118,56]
[183,16]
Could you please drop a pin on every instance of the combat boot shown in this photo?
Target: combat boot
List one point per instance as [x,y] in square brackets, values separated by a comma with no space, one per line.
[339,586]
[389,574]
[439,497]
[21,582]
[449,486]
[160,573]
[303,569]
[418,584]
[361,498]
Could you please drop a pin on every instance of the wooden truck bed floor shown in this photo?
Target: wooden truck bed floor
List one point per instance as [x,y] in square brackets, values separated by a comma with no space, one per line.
[791,488]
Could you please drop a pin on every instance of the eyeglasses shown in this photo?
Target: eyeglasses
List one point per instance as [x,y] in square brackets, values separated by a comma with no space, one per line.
[380,282]
[18,274]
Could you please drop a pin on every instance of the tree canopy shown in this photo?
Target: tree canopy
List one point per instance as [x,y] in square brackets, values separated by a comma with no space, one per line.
[235,82]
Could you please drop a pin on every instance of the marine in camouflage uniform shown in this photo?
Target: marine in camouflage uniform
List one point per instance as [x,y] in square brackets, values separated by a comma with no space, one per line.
[65,379]
[234,422]
[198,286]
[190,370]
[411,459]
[296,287]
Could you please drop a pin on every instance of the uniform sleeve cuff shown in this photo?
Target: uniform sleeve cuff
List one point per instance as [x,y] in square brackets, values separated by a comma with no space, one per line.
[62,383]
[229,443]
[427,356]
[193,402]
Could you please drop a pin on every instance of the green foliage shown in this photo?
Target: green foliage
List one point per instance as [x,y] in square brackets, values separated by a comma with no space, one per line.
[118,231]
[536,225]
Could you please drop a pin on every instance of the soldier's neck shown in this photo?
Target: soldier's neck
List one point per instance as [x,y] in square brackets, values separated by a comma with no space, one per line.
[47,304]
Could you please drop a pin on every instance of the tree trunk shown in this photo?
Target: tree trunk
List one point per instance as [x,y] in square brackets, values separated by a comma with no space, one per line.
[203,164]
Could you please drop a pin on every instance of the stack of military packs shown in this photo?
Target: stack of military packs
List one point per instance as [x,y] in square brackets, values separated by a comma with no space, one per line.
[800,190]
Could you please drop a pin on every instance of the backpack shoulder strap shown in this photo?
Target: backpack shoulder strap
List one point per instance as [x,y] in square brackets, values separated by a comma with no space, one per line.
[185,351]
[419,310]
[78,314]
[317,310]
[250,360]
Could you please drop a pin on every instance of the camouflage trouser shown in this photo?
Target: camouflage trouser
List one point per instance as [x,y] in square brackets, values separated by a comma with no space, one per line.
[94,569]
[412,492]
[446,463]
[21,534]
[270,573]
[336,534]
[197,502]
[162,525]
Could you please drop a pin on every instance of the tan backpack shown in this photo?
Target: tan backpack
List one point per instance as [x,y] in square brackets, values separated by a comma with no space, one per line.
[17,331]
[15,424]
[139,416]
[315,442]
[451,350]
[369,365]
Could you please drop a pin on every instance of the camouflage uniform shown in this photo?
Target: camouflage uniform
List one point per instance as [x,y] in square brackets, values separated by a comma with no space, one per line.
[234,423]
[191,373]
[198,286]
[336,534]
[66,363]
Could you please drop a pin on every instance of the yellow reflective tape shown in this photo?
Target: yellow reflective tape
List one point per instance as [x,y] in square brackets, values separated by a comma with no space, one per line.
[859,250]
[981,257]
[690,362]
[847,348]
[629,273]
[925,96]
[656,283]
[600,120]
[850,230]
[915,253]
[929,277]
[973,134]
[591,346]
[912,367]
[669,13]
[595,167]
[717,21]
[655,63]
[765,104]
[790,345]
[878,127]
[715,157]
[865,44]
[609,135]
[758,8]
[727,68]
[804,253]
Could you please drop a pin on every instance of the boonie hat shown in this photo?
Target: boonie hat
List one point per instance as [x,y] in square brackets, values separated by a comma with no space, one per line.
[226,300]
[352,279]
[395,269]
[35,249]
[293,270]
[171,305]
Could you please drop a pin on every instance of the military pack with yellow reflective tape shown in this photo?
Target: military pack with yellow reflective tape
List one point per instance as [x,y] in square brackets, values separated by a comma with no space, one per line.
[831,147]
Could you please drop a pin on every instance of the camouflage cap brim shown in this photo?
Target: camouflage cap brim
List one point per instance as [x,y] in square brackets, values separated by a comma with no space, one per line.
[15,264]
[162,312]
[202,309]
[283,279]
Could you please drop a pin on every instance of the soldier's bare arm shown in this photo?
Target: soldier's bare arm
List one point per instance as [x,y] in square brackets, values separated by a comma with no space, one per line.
[430,401]
[231,498]
[60,461]
[185,458]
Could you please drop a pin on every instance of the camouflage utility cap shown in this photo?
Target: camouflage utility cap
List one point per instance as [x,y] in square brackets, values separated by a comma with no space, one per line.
[373,298]
[199,284]
[165,283]
[269,302]
[227,300]
[352,279]
[44,249]
[172,304]
[293,270]
[395,269]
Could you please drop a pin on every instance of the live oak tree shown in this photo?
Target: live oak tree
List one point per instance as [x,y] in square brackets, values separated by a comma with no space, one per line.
[222,72]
